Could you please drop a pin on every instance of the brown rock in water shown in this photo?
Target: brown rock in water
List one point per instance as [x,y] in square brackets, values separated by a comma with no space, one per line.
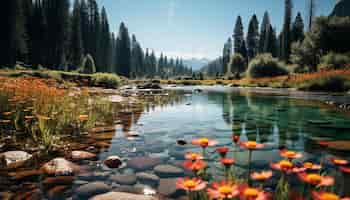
[60,166]
[143,163]
[103,129]
[82,155]
[24,174]
[113,162]
[58,180]
[122,196]
[56,191]
[14,159]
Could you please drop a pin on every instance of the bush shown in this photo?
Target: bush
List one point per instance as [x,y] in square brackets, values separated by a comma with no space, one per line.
[327,84]
[106,80]
[237,64]
[264,65]
[88,65]
[334,61]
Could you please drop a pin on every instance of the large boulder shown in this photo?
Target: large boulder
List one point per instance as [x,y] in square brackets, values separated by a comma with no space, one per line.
[341,9]
[59,167]
[91,189]
[122,196]
[14,159]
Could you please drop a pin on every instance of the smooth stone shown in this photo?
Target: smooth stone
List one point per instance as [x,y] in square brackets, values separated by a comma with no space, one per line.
[167,171]
[143,163]
[122,196]
[113,162]
[124,179]
[57,191]
[103,129]
[60,166]
[24,174]
[147,178]
[58,180]
[82,155]
[167,187]
[179,155]
[14,159]
[91,189]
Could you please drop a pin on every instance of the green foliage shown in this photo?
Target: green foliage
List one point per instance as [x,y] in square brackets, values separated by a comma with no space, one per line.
[106,80]
[253,37]
[237,64]
[306,53]
[264,65]
[327,84]
[334,61]
[88,65]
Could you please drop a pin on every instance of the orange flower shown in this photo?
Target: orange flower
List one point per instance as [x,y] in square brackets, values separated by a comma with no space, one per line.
[204,142]
[83,118]
[248,193]
[262,176]
[235,138]
[222,151]
[290,154]
[336,161]
[251,145]
[190,184]
[286,166]
[227,162]
[316,179]
[326,196]
[223,190]
[194,166]
[345,169]
[312,166]
[193,156]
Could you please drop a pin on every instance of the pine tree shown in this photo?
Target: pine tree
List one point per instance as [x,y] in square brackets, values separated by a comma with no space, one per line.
[311,12]
[238,36]
[286,33]
[76,42]
[112,58]
[104,50]
[298,29]
[84,20]
[226,54]
[123,51]
[271,44]
[136,58]
[264,29]
[253,37]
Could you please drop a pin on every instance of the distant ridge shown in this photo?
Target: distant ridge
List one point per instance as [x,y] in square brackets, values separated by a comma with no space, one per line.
[196,63]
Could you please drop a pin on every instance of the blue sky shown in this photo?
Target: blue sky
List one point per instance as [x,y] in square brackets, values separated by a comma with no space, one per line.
[194,28]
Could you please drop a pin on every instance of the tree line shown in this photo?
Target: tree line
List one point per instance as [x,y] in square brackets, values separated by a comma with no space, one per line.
[263,40]
[52,34]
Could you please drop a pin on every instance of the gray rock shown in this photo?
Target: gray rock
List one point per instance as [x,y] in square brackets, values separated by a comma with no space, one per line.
[167,171]
[147,178]
[124,179]
[143,163]
[122,196]
[167,187]
[91,189]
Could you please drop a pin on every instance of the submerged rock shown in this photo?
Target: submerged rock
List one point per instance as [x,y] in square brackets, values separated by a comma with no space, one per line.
[82,155]
[124,179]
[167,171]
[59,180]
[167,187]
[143,163]
[91,189]
[122,196]
[25,174]
[60,166]
[14,159]
[147,178]
[113,162]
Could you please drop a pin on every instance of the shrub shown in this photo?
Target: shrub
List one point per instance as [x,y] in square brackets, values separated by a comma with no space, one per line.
[264,65]
[334,61]
[88,65]
[106,80]
[327,84]
[237,63]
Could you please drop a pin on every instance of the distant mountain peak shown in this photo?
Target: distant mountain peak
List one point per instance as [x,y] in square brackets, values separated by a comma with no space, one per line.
[196,63]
